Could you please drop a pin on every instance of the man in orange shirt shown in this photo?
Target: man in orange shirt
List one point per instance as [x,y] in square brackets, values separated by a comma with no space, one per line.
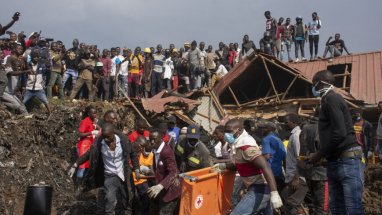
[146,158]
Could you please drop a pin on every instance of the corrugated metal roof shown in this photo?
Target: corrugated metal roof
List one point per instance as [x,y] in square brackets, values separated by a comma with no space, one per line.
[366,73]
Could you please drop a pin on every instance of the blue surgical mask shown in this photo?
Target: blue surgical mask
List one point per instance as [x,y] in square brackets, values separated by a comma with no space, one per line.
[315,92]
[229,138]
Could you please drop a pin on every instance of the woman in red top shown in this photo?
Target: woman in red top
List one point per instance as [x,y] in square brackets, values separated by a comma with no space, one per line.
[87,132]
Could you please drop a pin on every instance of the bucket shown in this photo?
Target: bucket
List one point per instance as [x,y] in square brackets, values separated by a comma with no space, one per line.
[38,200]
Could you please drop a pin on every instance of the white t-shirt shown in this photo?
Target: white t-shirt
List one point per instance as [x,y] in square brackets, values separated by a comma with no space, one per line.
[168,67]
[222,71]
[114,62]
[124,66]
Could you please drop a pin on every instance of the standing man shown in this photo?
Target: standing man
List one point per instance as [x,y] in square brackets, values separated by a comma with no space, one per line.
[17,62]
[300,36]
[55,75]
[196,67]
[254,170]
[115,67]
[363,133]
[270,25]
[315,175]
[210,64]
[274,152]
[34,87]
[279,42]
[105,78]
[192,154]
[286,37]
[314,35]
[72,59]
[156,76]
[295,191]
[339,147]
[136,63]
[205,72]
[86,66]
[168,188]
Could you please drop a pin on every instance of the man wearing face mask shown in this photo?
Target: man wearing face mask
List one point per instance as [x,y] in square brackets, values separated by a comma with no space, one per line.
[339,147]
[363,132]
[254,170]
[192,154]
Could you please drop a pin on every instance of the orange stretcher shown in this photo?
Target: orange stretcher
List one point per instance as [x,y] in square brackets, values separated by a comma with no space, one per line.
[206,191]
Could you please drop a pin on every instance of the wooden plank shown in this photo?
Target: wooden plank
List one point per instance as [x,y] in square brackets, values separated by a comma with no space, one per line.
[135,107]
[270,78]
[234,97]
[290,86]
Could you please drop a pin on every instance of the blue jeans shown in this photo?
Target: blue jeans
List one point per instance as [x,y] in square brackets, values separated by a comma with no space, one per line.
[345,177]
[40,94]
[256,200]
[237,186]
[70,73]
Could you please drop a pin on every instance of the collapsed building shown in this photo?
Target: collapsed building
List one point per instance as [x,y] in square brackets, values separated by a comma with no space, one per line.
[263,86]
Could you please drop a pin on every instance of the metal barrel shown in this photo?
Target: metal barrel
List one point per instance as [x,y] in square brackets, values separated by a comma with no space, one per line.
[38,200]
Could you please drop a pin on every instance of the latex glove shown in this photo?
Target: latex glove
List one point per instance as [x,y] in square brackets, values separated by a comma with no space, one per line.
[219,167]
[276,200]
[369,154]
[137,174]
[72,170]
[95,133]
[144,169]
[155,190]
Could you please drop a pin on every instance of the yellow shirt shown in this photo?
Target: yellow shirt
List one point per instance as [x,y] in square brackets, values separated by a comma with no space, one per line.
[134,67]
[145,161]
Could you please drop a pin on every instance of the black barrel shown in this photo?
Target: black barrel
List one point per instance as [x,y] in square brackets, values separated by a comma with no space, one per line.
[38,200]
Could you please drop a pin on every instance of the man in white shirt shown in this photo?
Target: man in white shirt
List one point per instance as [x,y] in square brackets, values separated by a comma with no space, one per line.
[35,81]
[123,70]
[295,191]
[115,67]
[109,167]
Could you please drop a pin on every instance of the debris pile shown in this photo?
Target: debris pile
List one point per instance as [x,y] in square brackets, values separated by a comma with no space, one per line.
[40,150]
[372,197]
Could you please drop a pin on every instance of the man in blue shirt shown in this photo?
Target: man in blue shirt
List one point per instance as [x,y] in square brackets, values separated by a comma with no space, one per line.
[274,152]
[173,131]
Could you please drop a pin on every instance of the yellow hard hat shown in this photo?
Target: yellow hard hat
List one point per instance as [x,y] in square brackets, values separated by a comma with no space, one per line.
[147,50]
[175,50]
[187,44]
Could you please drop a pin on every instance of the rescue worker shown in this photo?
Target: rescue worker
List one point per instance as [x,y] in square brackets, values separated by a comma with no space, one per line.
[191,154]
[254,170]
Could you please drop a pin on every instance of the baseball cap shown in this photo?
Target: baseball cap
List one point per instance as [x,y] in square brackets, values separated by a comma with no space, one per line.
[193,132]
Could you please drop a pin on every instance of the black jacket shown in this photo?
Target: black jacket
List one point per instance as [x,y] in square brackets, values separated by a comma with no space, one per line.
[310,143]
[335,126]
[95,176]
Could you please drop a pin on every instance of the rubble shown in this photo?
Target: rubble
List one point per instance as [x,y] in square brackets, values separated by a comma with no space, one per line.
[41,150]
[372,198]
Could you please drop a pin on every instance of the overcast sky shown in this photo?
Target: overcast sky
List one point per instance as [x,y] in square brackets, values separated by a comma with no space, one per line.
[110,23]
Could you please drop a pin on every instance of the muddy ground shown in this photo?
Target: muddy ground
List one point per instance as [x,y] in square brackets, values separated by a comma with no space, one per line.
[41,149]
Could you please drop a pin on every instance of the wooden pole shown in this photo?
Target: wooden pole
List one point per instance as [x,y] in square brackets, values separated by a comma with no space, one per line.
[290,86]
[288,70]
[270,78]
[234,97]
[135,107]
